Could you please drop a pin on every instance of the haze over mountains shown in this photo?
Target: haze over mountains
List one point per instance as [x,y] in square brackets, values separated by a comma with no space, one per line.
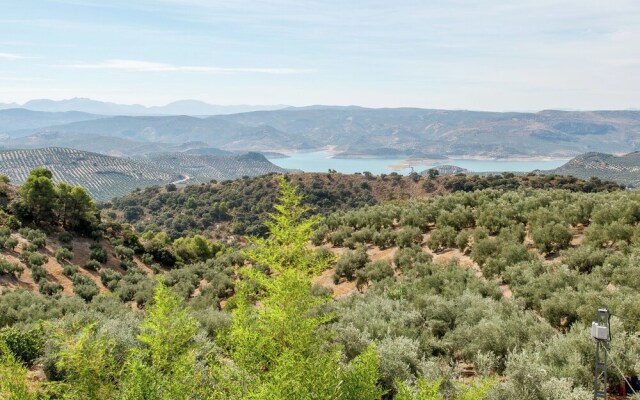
[356,131]
[181,107]
[183,143]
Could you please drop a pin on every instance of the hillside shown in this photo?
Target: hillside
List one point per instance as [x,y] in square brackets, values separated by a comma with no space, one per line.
[17,118]
[624,170]
[366,132]
[214,131]
[201,168]
[106,177]
[225,209]
[103,176]
[488,290]
[109,145]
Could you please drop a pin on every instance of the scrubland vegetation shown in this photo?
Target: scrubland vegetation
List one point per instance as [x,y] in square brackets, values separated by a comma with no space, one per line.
[481,294]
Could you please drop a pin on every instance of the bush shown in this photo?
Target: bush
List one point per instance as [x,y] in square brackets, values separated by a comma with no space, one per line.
[124,253]
[7,267]
[110,278]
[408,256]
[349,263]
[551,237]
[65,237]
[442,238]
[462,240]
[10,243]
[69,270]
[584,258]
[13,223]
[63,254]
[409,236]
[92,265]
[385,238]
[98,254]
[26,345]
[85,287]
[49,288]
[36,260]
[38,273]
[378,270]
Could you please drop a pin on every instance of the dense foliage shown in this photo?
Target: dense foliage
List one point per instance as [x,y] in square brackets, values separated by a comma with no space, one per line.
[496,284]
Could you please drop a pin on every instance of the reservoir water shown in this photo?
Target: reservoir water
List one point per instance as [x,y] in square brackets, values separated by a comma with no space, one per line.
[321,161]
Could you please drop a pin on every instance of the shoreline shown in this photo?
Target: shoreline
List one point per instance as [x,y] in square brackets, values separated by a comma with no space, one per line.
[332,152]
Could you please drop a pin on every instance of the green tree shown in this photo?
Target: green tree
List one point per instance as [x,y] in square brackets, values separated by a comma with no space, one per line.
[165,367]
[277,349]
[38,196]
[76,209]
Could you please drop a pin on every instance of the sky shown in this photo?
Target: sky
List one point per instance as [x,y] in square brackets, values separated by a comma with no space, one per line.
[500,55]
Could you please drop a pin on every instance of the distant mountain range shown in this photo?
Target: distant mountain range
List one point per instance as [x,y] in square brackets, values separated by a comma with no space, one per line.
[106,177]
[365,132]
[181,107]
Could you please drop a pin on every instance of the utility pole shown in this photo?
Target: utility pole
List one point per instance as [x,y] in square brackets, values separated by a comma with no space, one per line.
[601,333]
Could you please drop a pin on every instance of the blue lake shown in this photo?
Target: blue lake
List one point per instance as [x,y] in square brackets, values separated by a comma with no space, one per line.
[321,161]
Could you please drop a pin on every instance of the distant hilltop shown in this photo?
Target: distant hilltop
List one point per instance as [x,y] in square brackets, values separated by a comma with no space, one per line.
[181,107]
[347,131]
[624,170]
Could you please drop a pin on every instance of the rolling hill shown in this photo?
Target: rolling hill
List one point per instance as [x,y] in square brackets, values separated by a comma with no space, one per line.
[106,177]
[103,176]
[365,132]
[624,170]
[18,118]
[214,131]
[201,168]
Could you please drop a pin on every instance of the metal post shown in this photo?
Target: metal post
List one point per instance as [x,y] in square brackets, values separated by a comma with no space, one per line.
[600,332]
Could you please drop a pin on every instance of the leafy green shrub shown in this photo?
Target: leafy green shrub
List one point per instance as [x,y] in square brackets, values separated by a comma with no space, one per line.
[26,345]
[85,287]
[49,288]
[442,238]
[98,253]
[36,259]
[483,250]
[147,258]
[409,236]
[69,270]
[552,237]
[110,278]
[124,253]
[349,263]
[38,273]
[7,267]
[584,258]
[13,223]
[92,265]
[63,254]
[384,238]
[378,270]
[65,237]
[462,240]
[10,243]
[408,256]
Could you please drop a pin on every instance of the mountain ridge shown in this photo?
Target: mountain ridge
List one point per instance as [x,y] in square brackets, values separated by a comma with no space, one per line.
[179,107]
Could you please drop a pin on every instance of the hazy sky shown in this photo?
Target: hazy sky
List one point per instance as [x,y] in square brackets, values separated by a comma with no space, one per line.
[489,55]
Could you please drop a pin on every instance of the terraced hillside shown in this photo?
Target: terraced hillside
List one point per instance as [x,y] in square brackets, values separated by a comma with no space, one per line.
[106,177]
[103,176]
[624,170]
[200,168]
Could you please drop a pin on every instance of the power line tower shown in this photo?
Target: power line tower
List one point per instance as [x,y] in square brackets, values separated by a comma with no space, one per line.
[601,333]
